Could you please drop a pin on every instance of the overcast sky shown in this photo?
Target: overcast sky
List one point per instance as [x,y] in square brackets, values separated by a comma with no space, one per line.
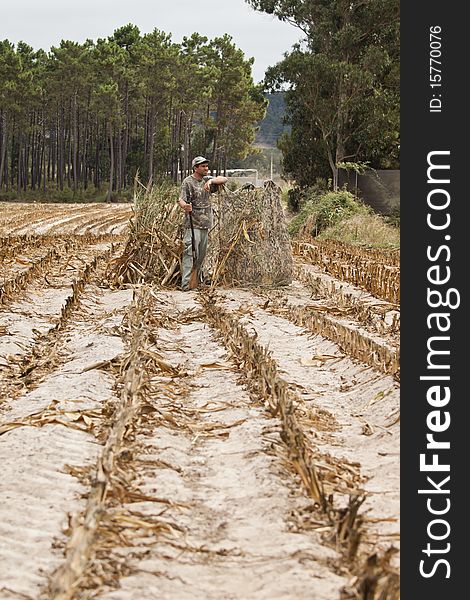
[43,23]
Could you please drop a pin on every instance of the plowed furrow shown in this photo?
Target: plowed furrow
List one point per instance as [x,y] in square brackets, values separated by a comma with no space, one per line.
[19,255]
[41,352]
[53,265]
[115,225]
[52,438]
[90,224]
[333,295]
[363,402]
[40,223]
[204,507]
[379,275]
[351,339]
[18,219]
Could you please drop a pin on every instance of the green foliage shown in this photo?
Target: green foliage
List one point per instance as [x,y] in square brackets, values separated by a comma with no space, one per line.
[297,197]
[321,211]
[342,85]
[356,167]
[394,218]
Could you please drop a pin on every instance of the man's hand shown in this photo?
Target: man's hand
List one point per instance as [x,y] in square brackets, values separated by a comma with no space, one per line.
[186,206]
[216,181]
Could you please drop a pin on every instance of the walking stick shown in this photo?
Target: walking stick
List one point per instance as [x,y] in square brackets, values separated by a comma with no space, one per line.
[193,279]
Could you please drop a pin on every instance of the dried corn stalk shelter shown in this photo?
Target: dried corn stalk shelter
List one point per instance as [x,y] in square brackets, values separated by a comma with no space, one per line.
[249,242]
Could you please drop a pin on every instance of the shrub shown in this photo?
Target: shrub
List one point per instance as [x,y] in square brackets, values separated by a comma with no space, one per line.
[325,210]
[393,218]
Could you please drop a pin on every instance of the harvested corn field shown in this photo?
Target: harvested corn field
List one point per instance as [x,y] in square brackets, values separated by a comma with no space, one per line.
[232,442]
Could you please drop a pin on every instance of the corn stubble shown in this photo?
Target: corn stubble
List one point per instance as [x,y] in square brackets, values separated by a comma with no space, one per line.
[321,476]
[376,271]
[249,246]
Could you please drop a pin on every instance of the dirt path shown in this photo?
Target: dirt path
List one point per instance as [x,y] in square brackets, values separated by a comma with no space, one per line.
[195,445]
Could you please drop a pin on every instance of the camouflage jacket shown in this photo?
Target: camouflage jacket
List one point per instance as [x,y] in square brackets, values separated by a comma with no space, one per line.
[193,191]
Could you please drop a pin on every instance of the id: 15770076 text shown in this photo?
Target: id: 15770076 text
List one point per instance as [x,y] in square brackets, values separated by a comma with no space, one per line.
[435,68]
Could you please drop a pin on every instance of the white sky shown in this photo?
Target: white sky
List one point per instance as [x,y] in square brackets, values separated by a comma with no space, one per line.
[44,23]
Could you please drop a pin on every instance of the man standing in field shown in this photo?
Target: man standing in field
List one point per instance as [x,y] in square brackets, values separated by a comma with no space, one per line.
[194,200]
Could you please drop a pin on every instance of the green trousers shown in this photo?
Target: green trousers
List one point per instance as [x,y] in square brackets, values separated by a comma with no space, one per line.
[200,239]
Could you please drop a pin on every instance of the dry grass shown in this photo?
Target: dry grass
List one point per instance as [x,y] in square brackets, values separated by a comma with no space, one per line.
[367,229]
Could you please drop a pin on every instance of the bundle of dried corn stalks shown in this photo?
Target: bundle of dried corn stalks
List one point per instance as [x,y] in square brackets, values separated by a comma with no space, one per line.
[154,246]
[249,243]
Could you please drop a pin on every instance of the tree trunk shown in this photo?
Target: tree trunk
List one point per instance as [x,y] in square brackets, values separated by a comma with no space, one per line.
[97,179]
[151,146]
[125,141]
[18,174]
[61,150]
[3,148]
[332,163]
[119,162]
[109,195]
[74,143]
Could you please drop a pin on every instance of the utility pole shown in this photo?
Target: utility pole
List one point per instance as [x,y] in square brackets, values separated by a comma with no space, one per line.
[271,165]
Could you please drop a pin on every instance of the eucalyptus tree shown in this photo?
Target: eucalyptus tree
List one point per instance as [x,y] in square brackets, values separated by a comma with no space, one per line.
[342,81]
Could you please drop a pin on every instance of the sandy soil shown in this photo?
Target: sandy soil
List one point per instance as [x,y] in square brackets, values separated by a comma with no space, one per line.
[202,501]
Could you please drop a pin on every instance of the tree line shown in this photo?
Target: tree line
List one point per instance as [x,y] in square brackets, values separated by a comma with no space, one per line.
[95,113]
[341,85]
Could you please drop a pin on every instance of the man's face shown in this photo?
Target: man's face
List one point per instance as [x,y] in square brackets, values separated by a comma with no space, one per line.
[202,169]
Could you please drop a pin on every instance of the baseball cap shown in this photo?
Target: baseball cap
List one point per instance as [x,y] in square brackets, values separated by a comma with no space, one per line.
[198,160]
